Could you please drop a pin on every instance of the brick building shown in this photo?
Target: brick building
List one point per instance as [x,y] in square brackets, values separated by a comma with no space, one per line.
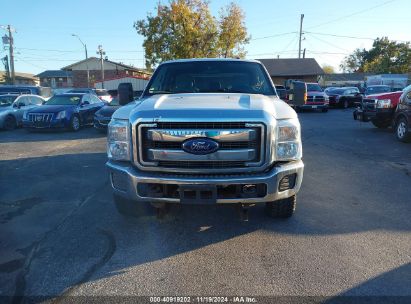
[111,70]
[56,79]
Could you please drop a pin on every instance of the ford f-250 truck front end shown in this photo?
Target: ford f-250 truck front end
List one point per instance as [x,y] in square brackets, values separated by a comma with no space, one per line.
[206,132]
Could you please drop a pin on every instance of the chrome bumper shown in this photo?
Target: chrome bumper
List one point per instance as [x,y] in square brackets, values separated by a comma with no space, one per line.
[125,178]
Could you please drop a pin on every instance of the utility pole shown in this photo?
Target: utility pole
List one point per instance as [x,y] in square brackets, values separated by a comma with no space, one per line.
[85,49]
[11,49]
[101,52]
[301,34]
[304,53]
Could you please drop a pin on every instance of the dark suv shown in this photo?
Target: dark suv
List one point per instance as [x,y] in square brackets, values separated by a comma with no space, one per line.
[344,97]
[402,117]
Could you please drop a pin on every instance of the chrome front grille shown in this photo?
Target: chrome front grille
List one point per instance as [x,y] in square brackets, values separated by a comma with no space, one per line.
[40,117]
[159,145]
[315,99]
[369,104]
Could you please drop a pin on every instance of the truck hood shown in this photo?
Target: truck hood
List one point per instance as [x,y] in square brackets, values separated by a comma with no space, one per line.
[385,95]
[315,93]
[204,106]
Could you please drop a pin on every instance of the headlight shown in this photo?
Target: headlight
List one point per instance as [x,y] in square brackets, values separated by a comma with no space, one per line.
[118,140]
[288,140]
[384,103]
[61,115]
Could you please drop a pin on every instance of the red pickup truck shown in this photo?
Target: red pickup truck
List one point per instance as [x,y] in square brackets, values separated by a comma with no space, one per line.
[378,108]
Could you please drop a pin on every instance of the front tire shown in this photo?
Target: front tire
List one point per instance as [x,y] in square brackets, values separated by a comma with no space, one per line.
[402,130]
[345,104]
[10,123]
[282,208]
[381,124]
[75,123]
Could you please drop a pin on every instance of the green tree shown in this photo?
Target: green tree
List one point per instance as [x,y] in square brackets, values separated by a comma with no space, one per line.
[232,32]
[328,69]
[186,29]
[385,56]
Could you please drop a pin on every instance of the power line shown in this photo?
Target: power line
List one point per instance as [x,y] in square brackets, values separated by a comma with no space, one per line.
[340,36]
[326,42]
[353,14]
[272,36]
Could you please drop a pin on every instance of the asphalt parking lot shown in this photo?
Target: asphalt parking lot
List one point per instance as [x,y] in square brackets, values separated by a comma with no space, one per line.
[60,234]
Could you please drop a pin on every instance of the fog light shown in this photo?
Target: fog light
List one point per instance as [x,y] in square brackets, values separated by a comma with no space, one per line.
[287,182]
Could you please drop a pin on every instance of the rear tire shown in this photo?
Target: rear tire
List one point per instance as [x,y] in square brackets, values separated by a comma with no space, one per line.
[381,124]
[282,208]
[402,130]
[10,123]
[129,208]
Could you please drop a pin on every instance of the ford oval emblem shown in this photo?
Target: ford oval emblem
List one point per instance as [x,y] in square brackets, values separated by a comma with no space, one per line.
[200,146]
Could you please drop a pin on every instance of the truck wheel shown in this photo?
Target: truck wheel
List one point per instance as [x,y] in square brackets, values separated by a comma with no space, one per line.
[381,124]
[402,130]
[10,123]
[282,208]
[129,208]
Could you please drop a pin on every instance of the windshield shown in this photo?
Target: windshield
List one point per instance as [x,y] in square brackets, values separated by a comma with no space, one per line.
[337,91]
[7,100]
[102,93]
[313,87]
[376,90]
[114,102]
[210,77]
[61,100]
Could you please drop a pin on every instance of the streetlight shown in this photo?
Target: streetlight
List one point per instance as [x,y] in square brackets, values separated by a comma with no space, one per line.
[85,49]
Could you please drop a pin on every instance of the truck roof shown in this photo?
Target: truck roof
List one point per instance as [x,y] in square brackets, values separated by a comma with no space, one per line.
[210,59]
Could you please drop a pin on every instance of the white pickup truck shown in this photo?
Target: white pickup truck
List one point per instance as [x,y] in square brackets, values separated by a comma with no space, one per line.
[206,131]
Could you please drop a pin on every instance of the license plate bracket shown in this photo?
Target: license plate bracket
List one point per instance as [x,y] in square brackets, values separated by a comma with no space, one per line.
[198,194]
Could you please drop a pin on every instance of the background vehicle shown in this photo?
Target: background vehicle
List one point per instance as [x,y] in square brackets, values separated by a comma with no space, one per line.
[64,111]
[12,107]
[206,131]
[378,108]
[44,92]
[313,98]
[103,116]
[100,93]
[344,97]
[377,89]
[327,90]
[281,91]
[402,116]
[396,82]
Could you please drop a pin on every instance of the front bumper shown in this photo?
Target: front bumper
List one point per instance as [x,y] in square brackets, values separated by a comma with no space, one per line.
[53,124]
[376,115]
[125,180]
[308,106]
[101,123]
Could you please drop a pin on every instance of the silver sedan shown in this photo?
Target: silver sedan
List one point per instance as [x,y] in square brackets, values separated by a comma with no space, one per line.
[12,107]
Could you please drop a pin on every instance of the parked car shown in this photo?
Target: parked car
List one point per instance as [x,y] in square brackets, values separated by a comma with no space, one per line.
[69,111]
[103,116]
[329,89]
[206,131]
[44,92]
[344,97]
[402,116]
[316,98]
[12,107]
[100,93]
[281,92]
[378,108]
[377,89]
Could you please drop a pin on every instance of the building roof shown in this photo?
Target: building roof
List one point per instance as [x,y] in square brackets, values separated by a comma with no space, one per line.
[54,73]
[128,67]
[346,76]
[292,67]
[19,75]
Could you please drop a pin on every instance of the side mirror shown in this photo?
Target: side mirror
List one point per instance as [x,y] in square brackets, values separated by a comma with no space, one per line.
[125,93]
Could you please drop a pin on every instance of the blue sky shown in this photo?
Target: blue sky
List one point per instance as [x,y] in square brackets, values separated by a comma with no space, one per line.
[43,39]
